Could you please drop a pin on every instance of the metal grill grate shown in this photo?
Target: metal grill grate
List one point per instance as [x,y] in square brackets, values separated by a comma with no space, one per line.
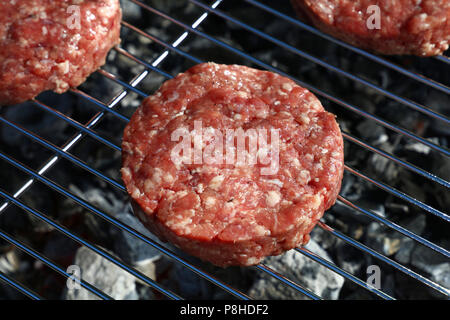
[171,50]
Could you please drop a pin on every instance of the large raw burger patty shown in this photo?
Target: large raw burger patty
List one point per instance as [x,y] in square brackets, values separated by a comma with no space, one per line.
[418,27]
[53,44]
[225,212]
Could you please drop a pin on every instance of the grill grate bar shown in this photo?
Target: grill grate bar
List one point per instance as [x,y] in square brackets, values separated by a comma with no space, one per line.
[122,83]
[407,198]
[160,42]
[311,88]
[397,160]
[19,287]
[345,201]
[343,273]
[395,227]
[399,194]
[85,129]
[443,58]
[52,265]
[385,259]
[324,64]
[92,247]
[417,77]
[63,154]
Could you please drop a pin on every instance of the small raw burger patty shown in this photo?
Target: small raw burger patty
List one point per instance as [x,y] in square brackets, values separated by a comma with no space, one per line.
[418,27]
[53,44]
[226,212]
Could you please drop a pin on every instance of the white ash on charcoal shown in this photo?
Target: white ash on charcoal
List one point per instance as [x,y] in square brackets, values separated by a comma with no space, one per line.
[104,275]
[303,271]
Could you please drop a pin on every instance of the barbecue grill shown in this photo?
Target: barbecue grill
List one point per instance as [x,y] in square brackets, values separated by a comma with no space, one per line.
[163,58]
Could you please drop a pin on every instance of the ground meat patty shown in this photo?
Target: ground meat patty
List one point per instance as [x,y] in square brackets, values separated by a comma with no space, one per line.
[53,44]
[226,212]
[418,27]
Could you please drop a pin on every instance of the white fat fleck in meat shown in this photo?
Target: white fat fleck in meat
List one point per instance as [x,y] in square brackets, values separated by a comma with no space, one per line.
[276,182]
[243,94]
[273,198]
[315,200]
[155,180]
[168,178]
[304,177]
[210,202]
[126,172]
[335,154]
[261,231]
[287,86]
[64,67]
[216,182]
[303,119]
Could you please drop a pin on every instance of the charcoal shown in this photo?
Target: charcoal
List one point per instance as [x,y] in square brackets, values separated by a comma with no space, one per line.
[131,249]
[302,270]
[104,275]
[435,265]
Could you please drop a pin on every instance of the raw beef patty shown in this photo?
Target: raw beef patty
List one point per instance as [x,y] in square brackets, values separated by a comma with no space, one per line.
[219,209]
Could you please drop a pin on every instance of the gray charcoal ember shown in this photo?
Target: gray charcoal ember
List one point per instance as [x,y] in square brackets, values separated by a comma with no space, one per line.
[433,263]
[371,132]
[383,167]
[441,166]
[379,239]
[131,249]
[30,116]
[390,242]
[326,239]
[190,285]
[131,12]
[407,245]
[351,189]
[101,198]
[439,102]
[104,275]
[407,183]
[302,270]
[403,255]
